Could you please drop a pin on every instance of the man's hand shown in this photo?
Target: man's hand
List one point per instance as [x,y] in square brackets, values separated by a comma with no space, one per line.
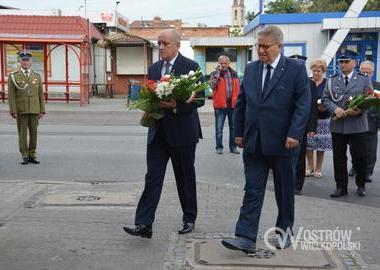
[192,97]
[41,115]
[354,112]
[340,113]
[239,142]
[311,134]
[321,108]
[291,143]
[13,115]
[171,104]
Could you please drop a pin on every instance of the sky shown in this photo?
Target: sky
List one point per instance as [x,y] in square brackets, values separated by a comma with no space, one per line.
[210,12]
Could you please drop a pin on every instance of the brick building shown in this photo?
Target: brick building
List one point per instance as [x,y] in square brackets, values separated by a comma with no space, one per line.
[149,29]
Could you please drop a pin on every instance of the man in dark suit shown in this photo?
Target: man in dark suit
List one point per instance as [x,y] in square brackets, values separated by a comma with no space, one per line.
[175,136]
[270,118]
[368,67]
[311,129]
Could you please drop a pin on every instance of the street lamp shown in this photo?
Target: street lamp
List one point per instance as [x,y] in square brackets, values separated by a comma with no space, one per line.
[85,9]
[116,16]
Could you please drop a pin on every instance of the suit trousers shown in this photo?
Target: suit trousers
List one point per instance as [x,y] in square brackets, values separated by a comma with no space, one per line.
[256,169]
[27,122]
[301,164]
[182,158]
[372,151]
[358,148]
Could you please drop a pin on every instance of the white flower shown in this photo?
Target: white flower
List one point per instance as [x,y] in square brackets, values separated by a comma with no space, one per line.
[164,89]
[319,101]
[191,73]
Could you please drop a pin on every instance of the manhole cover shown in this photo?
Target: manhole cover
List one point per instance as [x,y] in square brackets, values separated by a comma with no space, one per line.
[88,198]
[211,255]
[92,199]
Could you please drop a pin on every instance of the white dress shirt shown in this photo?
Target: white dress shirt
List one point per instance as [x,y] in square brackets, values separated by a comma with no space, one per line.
[171,62]
[273,65]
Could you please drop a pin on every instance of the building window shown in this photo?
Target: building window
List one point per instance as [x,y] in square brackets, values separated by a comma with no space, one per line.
[213,53]
[294,48]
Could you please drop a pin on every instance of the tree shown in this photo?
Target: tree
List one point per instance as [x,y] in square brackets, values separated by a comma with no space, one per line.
[250,16]
[339,5]
[285,6]
[235,32]
[302,6]
[329,5]
[372,5]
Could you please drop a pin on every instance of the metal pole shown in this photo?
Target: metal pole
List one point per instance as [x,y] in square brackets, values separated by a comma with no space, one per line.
[116,16]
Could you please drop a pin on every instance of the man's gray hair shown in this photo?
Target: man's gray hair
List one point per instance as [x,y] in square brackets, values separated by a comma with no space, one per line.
[273,32]
[223,56]
[368,63]
[176,36]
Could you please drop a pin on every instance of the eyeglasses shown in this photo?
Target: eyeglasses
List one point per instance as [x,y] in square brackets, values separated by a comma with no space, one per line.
[265,47]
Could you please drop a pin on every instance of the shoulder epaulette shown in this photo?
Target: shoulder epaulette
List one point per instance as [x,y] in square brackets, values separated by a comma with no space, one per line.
[362,74]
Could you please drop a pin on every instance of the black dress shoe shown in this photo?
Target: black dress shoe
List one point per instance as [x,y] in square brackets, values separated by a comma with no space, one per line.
[352,172]
[368,180]
[361,191]
[24,161]
[298,192]
[234,151]
[186,228]
[339,192]
[34,160]
[142,230]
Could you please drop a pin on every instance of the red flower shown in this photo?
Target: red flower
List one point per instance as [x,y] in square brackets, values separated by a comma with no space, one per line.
[150,85]
[370,92]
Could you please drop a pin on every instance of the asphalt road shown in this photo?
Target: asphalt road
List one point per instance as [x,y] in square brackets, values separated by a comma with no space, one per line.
[110,146]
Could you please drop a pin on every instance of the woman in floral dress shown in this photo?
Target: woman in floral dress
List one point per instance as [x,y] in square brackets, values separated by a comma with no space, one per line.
[321,140]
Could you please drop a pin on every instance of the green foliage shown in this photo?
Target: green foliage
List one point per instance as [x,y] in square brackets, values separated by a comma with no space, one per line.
[250,16]
[285,6]
[308,6]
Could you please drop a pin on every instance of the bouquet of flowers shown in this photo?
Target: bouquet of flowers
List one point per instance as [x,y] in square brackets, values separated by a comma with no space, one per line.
[183,88]
[363,101]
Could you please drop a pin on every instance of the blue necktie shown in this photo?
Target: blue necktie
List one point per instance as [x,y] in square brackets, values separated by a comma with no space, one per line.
[167,68]
[267,79]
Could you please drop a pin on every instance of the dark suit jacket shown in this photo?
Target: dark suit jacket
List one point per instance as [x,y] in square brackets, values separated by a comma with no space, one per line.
[312,125]
[373,114]
[183,127]
[282,112]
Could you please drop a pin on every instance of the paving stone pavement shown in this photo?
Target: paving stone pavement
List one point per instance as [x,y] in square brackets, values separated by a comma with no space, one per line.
[36,236]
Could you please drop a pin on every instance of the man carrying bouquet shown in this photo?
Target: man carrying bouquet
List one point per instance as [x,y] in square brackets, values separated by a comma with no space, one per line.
[348,127]
[174,136]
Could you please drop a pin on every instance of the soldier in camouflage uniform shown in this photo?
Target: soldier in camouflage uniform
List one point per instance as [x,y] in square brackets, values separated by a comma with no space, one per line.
[26,105]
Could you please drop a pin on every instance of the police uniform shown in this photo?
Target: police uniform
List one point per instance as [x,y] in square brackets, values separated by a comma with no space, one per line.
[26,102]
[350,130]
